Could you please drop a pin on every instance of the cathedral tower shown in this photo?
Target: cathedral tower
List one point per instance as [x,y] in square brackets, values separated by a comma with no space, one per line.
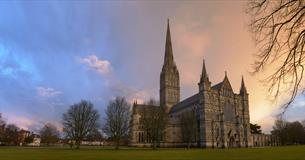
[169,77]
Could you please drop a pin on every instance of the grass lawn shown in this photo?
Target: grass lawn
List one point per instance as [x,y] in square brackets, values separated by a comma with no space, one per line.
[269,153]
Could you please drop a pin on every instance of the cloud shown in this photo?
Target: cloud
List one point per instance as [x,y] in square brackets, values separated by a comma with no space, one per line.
[135,45]
[23,122]
[131,93]
[190,38]
[101,66]
[47,92]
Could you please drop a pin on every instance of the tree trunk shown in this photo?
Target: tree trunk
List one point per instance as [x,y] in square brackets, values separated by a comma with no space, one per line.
[77,144]
[117,145]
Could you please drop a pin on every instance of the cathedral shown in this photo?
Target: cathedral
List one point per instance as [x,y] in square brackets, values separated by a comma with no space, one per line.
[222,116]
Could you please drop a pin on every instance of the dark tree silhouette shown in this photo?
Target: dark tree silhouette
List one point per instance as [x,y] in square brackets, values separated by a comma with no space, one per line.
[11,135]
[2,128]
[189,130]
[255,129]
[279,30]
[95,135]
[79,121]
[49,134]
[153,120]
[117,122]
[289,132]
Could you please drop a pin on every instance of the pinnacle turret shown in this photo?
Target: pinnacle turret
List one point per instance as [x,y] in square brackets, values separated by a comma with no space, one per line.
[204,74]
[242,87]
[204,83]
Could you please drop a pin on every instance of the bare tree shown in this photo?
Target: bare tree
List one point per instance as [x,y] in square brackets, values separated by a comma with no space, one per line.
[117,122]
[79,121]
[153,120]
[2,122]
[11,135]
[2,128]
[49,134]
[279,30]
[189,127]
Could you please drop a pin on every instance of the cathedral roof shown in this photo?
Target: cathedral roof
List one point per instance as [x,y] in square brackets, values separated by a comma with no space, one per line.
[225,83]
[142,107]
[217,86]
[185,103]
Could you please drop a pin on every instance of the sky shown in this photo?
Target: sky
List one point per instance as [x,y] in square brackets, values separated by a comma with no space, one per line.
[55,53]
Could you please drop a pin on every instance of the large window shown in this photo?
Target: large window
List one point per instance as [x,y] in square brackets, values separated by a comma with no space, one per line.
[229,112]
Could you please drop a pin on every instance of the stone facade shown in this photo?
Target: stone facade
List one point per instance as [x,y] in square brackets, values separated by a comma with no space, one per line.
[222,115]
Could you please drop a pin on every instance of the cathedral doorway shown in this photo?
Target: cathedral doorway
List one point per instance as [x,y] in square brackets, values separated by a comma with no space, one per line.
[231,142]
[231,139]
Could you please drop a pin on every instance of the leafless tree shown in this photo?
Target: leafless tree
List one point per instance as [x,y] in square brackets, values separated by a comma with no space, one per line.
[79,121]
[153,120]
[2,122]
[11,135]
[117,122]
[189,127]
[2,128]
[278,27]
[49,134]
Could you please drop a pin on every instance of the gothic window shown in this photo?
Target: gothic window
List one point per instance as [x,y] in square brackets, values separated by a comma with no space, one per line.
[229,112]
[142,137]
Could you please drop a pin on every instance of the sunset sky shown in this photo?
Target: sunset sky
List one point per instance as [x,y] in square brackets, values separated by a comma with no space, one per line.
[53,54]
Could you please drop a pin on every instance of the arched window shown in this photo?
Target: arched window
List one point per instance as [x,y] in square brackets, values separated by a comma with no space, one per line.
[139,137]
[229,112]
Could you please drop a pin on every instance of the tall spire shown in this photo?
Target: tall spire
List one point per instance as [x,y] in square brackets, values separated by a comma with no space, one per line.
[242,87]
[169,77]
[204,74]
[168,58]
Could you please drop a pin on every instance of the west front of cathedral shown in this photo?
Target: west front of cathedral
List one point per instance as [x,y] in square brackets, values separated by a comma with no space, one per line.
[222,116]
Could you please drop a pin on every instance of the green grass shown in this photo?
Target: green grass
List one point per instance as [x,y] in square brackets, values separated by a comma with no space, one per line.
[268,153]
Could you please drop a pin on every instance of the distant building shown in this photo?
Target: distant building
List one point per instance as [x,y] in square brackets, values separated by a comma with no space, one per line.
[264,140]
[22,135]
[36,141]
[223,118]
[92,143]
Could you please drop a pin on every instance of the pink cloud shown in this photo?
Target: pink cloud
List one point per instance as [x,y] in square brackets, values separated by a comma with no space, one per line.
[101,66]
